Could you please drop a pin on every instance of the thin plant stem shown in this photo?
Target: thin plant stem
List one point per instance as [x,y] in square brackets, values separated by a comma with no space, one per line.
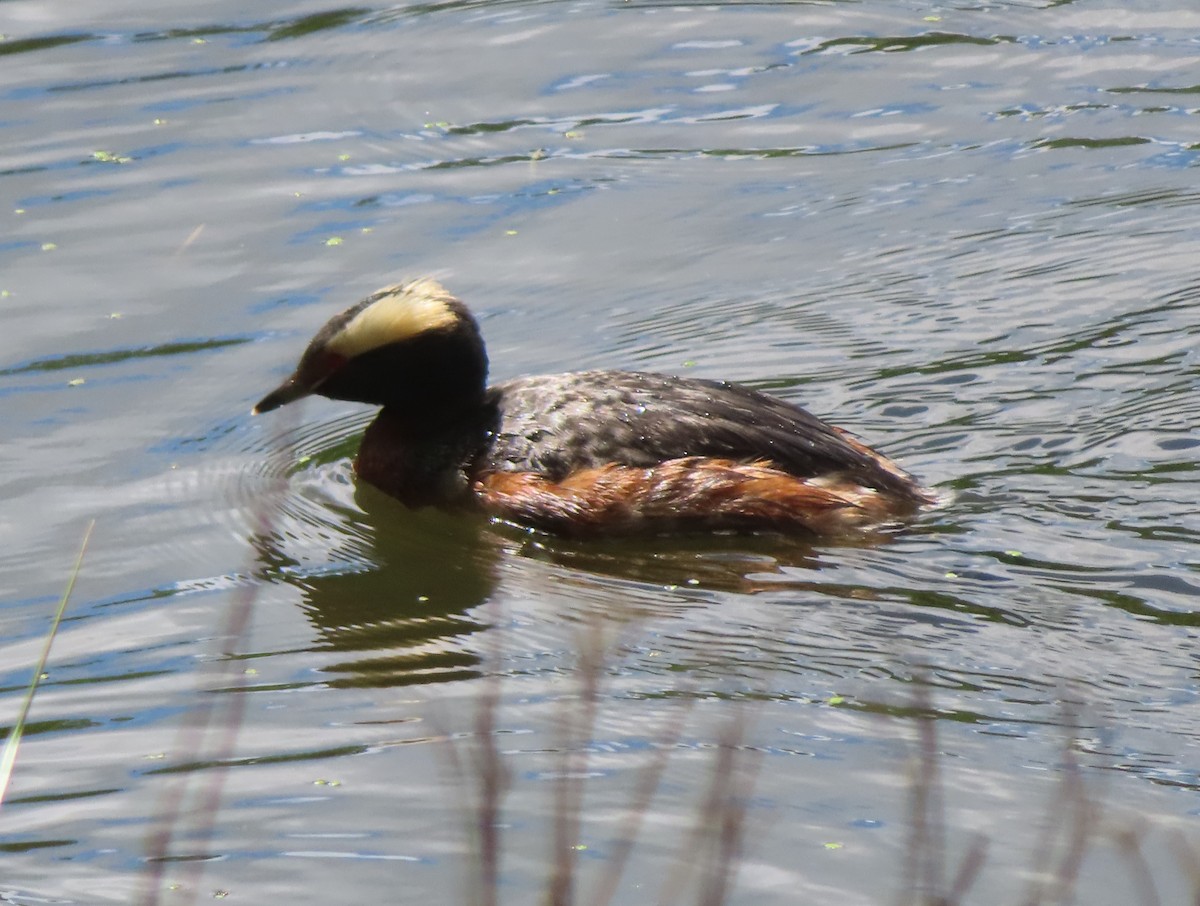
[928,812]
[578,728]
[1141,875]
[924,865]
[1066,831]
[968,870]
[732,784]
[724,803]
[476,776]
[193,734]
[493,784]
[193,737]
[9,756]
[647,786]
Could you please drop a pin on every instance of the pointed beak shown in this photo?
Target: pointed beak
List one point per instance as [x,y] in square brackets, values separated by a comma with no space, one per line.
[290,390]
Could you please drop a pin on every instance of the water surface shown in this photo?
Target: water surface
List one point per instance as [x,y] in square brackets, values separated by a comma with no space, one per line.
[966,233]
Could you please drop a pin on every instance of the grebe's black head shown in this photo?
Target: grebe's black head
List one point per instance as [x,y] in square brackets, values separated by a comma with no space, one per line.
[412,347]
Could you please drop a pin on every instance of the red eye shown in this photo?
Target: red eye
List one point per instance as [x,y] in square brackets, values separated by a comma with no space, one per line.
[332,362]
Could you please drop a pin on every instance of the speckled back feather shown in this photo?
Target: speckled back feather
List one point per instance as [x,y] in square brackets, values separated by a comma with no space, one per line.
[558,424]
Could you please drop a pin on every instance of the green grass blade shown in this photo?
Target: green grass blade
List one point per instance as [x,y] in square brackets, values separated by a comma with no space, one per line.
[9,757]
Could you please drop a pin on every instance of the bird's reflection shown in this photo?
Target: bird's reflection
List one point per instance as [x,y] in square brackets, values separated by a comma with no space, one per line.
[409,608]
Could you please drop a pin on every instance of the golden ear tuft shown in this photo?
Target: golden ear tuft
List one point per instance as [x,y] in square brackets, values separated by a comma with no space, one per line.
[394,314]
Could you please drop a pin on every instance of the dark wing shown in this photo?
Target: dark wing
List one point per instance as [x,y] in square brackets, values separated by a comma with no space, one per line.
[558,424]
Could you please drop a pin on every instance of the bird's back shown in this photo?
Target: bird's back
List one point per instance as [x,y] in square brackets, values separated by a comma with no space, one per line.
[556,425]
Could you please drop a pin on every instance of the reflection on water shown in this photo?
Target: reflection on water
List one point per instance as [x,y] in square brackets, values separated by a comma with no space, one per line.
[718,562]
[962,233]
[409,588]
[408,615]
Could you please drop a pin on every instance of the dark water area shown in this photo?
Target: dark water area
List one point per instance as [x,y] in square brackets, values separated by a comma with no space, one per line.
[968,233]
